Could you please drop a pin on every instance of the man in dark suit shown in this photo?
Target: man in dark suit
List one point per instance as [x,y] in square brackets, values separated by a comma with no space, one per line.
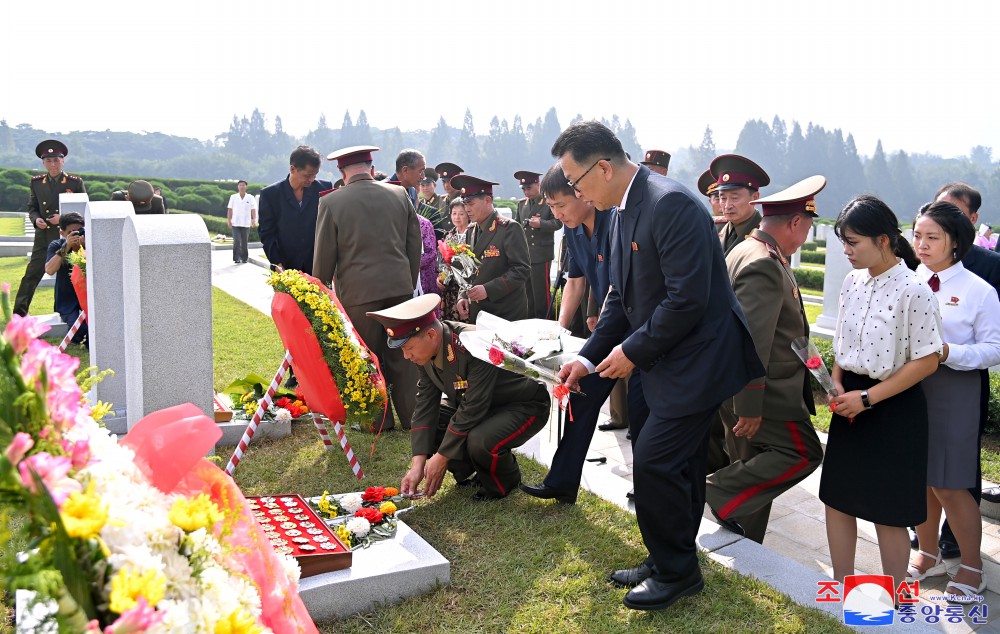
[670,289]
[43,210]
[985,264]
[498,287]
[368,243]
[288,213]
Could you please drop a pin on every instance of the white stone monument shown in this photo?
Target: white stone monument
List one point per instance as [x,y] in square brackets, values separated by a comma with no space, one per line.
[106,304]
[69,203]
[837,268]
[167,283]
[796,261]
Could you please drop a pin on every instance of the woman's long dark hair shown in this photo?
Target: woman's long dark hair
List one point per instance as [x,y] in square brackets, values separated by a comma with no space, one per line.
[868,216]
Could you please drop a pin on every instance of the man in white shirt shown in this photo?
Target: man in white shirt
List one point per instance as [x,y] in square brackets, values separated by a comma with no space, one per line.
[241,215]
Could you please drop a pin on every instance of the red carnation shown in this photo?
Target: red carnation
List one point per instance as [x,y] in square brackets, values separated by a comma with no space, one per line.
[373,515]
[373,494]
[283,402]
[446,251]
[814,363]
[496,355]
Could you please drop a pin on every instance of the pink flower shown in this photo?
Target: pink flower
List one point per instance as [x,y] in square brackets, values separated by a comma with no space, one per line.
[496,355]
[139,619]
[63,406]
[20,331]
[19,447]
[814,363]
[6,288]
[60,369]
[80,455]
[54,472]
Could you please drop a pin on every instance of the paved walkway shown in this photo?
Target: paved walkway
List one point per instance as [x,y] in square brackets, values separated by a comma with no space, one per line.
[795,555]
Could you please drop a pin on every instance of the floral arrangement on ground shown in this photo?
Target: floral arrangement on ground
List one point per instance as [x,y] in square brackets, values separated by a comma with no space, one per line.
[246,394]
[365,517]
[108,550]
[353,370]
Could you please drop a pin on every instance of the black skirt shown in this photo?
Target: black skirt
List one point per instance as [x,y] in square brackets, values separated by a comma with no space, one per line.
[876,467]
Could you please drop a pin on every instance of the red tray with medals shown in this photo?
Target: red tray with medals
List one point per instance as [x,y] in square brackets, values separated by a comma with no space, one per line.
[295,529]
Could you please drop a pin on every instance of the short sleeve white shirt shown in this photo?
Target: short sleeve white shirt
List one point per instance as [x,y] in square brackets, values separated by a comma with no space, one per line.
[885,322]
[970,317]
[242,209]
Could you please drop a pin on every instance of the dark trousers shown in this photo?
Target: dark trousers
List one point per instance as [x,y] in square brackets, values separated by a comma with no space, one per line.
[719,451]
[240,237]
[567,463]
[400,375]
[669,476]
[539,289]
[35,269]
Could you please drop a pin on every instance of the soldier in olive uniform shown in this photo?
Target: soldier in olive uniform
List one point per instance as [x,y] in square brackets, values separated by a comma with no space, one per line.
[739,180]
[709,188]
[488,411]
[447,171]
[773,444]
[43,210]
[499,284]
[657,161]
[143,198]
[368,242]
[539,225]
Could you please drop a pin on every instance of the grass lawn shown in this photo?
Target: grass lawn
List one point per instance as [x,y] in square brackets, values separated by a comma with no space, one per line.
[11,227]
[812,312]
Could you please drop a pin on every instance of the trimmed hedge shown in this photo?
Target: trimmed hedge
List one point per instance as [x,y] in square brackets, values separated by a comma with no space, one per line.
[809,278]
[808,246]
[821,243]
[813,257]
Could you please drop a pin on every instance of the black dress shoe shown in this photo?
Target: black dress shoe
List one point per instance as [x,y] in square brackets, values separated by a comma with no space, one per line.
[548,493]
[611,427]
[659,595]
[469,482]
[631,494]
[732,525]
[628,436]
[949,550]
[992,494]
[485,496]
[630,577]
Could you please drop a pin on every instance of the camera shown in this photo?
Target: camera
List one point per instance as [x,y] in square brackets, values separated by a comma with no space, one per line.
[81,232]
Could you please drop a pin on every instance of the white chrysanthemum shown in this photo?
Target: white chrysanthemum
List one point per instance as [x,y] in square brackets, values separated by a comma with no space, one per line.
[359,526]
[181,583]
[206,542]
[351,503]
[292,569]
[283,415]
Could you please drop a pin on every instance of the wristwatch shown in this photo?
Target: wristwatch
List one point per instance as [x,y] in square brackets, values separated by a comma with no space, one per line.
[864,399]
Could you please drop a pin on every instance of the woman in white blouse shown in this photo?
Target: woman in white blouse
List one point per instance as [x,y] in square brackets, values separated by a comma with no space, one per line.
[887,340]
[970,314]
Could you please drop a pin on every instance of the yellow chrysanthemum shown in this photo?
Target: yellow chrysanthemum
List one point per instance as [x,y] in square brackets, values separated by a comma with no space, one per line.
[238,622]
[387,508]
[198,512]
[83,514]
[128,585]
[344,535]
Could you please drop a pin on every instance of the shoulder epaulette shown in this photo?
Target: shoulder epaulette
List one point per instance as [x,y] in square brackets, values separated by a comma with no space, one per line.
[38,177]
[73,177]
[503,220]
[521,200]
[457,340]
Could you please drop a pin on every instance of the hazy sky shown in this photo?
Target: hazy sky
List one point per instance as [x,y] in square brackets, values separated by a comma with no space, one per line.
[920,74]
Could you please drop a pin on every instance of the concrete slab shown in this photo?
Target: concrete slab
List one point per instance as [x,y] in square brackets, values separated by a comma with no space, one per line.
[386,573]
[232,432]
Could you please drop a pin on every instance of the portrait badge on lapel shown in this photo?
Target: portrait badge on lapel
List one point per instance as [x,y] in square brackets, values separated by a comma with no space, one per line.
[953,302]
[600,258]
[635,247]
[492,252]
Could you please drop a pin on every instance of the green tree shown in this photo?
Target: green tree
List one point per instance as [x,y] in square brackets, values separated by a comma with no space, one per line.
[467,151]
[877,174]
[440,147]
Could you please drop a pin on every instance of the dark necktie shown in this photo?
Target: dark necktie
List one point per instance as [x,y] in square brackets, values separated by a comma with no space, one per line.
[934,282]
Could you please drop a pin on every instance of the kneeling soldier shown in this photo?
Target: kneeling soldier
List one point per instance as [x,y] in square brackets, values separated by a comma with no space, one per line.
[488,411]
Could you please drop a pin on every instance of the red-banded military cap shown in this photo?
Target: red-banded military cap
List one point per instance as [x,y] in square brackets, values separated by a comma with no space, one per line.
[469,186]
[732,170]
[447,170]
[657,157]
[51,147]
[799,198]
[402,321]
[430,176]
[527,178]
[351,155]
[707,184]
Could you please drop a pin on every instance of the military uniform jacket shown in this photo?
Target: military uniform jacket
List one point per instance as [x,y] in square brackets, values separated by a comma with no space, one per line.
[503,268]
[368,239]
[474,387]
[43,200]
[765,287]
[541,242]
[732,235]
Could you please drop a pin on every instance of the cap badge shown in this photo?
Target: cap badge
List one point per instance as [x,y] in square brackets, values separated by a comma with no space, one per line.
[725,178]
[391,333]
[463,190]
[811,205]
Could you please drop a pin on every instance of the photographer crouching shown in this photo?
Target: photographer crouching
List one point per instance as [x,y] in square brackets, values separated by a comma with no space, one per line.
[67,304]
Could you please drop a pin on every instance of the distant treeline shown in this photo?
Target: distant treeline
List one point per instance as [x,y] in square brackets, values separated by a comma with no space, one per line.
[258,152]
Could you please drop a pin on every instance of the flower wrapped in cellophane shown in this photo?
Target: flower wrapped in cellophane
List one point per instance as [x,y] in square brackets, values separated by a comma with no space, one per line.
[141,535]
[458,263]
[340,378]
[807,351]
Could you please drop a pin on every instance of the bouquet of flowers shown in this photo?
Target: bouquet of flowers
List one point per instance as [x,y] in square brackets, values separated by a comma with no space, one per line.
[78,259]
[142,535]
[360,519]
[458,263]
[339,376]
[247,392]
[806,350]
